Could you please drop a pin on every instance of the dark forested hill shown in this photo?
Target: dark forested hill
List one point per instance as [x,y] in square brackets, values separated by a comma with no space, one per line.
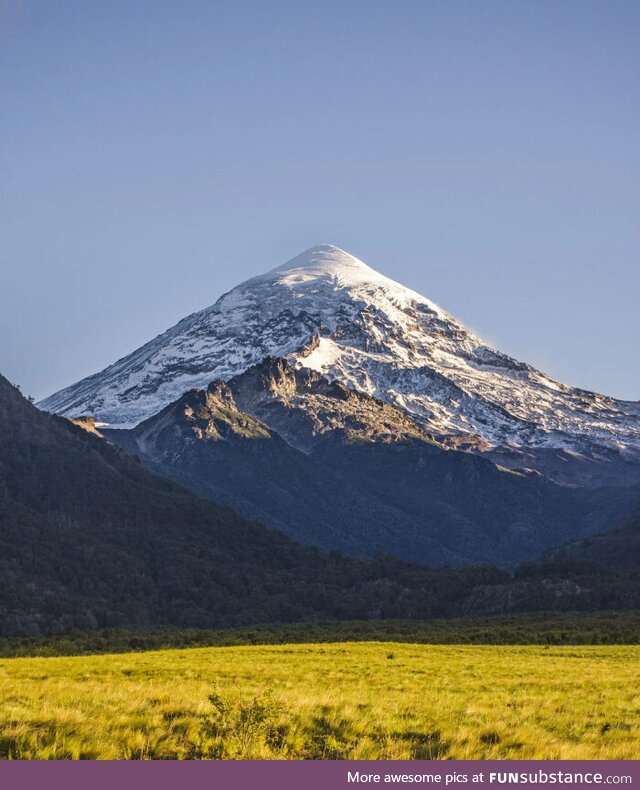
[617,550]
[91,539]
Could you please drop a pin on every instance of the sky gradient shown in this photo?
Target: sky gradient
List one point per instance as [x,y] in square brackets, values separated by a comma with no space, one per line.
[154,154]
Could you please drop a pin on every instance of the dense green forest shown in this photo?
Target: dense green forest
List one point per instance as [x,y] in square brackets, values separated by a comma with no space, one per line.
[588,628]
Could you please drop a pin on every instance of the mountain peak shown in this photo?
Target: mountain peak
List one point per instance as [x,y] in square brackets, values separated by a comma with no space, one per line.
[325,260]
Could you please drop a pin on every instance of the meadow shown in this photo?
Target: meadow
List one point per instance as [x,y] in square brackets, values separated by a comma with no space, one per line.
[361,700]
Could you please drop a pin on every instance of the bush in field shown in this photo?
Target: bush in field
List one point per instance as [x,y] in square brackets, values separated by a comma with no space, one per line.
[240,728]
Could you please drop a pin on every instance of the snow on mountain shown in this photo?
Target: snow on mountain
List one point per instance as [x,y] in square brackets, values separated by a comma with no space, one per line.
[328,311]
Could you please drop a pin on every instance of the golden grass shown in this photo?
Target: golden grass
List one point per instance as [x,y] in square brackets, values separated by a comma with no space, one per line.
[352,701]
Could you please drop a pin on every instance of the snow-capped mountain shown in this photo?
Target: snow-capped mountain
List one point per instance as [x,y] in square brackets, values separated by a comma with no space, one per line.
[328,311]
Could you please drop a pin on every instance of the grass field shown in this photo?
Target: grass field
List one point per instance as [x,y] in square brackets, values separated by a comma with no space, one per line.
[329,701]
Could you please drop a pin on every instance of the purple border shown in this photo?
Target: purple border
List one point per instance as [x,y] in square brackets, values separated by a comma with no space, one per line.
[298,775]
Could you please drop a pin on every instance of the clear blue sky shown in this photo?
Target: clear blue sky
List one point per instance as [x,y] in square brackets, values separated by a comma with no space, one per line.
[154,153]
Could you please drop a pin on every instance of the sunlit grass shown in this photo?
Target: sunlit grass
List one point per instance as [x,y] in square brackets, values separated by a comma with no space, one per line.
[331,701]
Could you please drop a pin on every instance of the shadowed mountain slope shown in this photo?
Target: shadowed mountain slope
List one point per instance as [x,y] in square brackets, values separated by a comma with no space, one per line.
[340,469]
[617,550]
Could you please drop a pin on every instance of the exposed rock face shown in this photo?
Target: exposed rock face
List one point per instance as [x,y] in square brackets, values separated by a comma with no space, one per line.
[330,312]
[305,408]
